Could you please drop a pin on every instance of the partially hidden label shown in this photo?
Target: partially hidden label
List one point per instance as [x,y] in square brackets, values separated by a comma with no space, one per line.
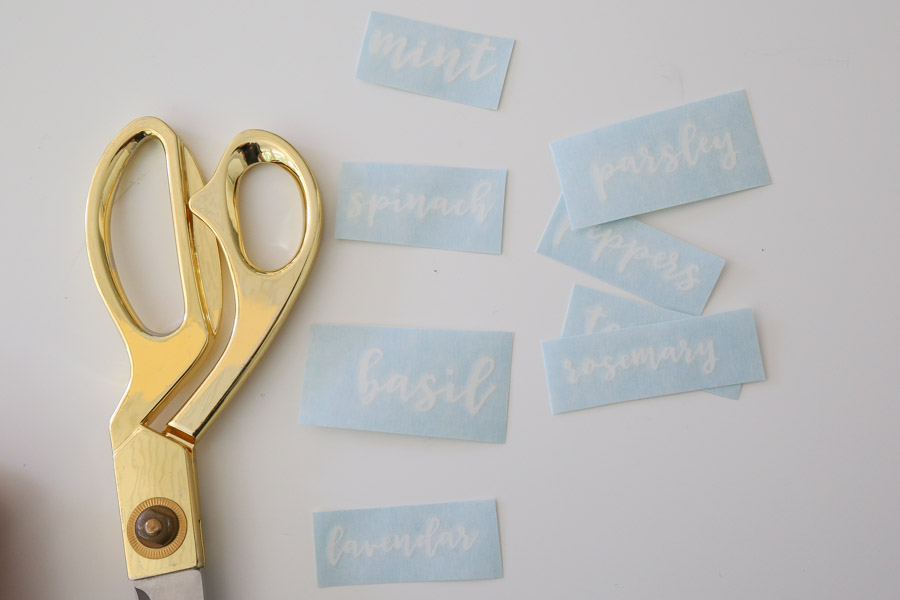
[637,258]
[452,384]
[431,542]
[445,63]
[689,153]
[652,360]
[428,206]
[593,311]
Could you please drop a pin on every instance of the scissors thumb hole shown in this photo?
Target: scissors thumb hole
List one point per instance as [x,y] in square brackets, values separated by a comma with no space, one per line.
[271,215]
[142,240]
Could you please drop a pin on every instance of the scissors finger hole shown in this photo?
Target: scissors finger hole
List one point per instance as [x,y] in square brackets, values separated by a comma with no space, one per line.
[270,215]
[142,240]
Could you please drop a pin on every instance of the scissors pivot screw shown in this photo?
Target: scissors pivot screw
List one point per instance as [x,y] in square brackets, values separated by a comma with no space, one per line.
[156,528]
[152,527]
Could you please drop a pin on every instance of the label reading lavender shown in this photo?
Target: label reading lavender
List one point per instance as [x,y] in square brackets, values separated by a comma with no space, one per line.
[430,542]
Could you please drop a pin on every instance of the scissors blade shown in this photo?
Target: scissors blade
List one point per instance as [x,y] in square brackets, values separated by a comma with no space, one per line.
[181,585]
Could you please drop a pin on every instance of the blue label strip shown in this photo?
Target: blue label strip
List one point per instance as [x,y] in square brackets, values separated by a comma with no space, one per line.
[433,207]
[652,360]
[593,311]
[433,542]
[452,384]
[445,63]
[689,153]
[637,258]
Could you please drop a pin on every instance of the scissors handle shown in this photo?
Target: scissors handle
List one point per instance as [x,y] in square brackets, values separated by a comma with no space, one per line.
[156,474]
[262,298]
[158,362]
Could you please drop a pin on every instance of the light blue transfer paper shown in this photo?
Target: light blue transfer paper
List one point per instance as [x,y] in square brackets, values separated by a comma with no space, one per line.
[452,384]
[637,258]
[427,206]
[652,360]
[689,153]
[430,542]
[445,63]
[593,311]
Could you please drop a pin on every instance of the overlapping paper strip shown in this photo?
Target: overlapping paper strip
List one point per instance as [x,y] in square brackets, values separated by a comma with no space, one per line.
[614,349]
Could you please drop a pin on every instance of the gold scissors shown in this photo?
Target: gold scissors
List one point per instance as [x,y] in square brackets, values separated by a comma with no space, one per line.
[154,467]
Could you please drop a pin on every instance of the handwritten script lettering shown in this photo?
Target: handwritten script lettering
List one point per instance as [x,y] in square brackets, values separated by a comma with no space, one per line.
[594,314]
[669,160]
[433,539]
[370,205]
[649,357]
[396,47]
[424,393]
[666,262]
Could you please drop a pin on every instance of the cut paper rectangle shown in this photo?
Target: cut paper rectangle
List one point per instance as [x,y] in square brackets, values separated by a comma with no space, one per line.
[441,62]
[652,360]
[432,207]
[593,311]
[688,153]
[432,542]
[637,258]
[452,384]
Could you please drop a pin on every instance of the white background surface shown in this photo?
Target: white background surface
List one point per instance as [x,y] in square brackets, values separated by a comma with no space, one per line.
[790,492]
